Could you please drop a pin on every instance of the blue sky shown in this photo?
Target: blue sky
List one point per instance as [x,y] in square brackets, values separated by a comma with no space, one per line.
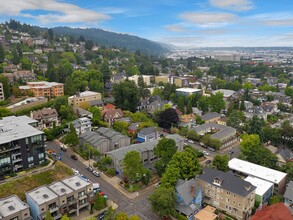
[184,23]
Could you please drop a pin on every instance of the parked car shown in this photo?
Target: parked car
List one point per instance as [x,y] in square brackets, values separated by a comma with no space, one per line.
[205,153]
[76,172]
[50,151]
[231,152]
[103,194]
[63,148]
[74,157]
[208,161]
[191,141]
[90,169]
[102,215]
[96,173]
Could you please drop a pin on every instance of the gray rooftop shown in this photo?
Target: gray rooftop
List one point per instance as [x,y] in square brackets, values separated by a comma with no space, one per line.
[184,189]
[15,128]
[60,188]
[229,181]
[289,191]
[147,131]
[41,195]
[75,182]
[210,115]
[142,147]
[11,205]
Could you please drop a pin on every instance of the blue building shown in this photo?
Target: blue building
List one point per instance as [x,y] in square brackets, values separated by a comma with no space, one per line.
[189,197]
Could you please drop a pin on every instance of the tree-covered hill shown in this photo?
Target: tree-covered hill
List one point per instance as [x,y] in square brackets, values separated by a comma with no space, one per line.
[110,39]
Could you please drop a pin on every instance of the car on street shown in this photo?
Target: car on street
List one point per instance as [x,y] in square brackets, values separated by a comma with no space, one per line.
[63,148]
[76,172]
[231,152]
[50,151]
[103,194]
[191,141]
[74,157]
[102,215]
[205,153]
[208,161]
[90,169]
[96,173]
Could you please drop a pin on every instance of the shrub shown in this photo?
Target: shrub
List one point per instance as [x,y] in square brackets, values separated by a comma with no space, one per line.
[111,171]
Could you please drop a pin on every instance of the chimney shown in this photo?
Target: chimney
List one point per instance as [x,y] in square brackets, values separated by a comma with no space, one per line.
[192,189]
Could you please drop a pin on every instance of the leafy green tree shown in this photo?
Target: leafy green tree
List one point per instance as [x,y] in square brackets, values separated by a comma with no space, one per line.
[163,202]
[126,95]
[99,202]
[272,134]
[51,73]
[15,57]
[121,126]
[165,149]
[2,53]
[51,33]
[134,217]
[71,137]
[19,50]
[121,216]
[26,64]
[110,214]
[89,44]
[221,162]
[193,135]
[217,102]
[97,116]
[132,166]
[105,70]
[65,217]
[255,126]
[139,117]
[6,86]
[236,119]
[48,216]
[204,103]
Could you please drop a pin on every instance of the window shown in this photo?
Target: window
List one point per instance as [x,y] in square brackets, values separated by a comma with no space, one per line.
[35,139]
[4,161]
[41,156]
[80,194]
[227,200]
[30,159]
[228,193]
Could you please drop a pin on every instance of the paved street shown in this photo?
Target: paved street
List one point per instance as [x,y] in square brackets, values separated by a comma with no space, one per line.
[139,206]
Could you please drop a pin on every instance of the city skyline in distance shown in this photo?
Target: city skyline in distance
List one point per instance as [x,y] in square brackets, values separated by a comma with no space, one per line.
[182,23]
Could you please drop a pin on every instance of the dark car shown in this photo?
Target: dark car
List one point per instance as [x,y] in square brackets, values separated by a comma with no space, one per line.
[231,152]
[208,161]
[63,148]
[102,215]
[74,157]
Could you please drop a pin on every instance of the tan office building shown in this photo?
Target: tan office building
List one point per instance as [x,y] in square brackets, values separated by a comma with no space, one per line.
[87,97]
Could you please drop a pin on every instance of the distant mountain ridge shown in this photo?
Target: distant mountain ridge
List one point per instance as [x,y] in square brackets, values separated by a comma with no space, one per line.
[110,39]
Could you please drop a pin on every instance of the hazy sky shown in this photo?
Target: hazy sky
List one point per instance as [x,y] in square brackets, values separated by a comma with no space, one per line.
[187,23]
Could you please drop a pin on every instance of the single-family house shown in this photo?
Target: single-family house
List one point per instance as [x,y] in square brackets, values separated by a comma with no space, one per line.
[147,134]
[46,117]
[211,117]
[112,115]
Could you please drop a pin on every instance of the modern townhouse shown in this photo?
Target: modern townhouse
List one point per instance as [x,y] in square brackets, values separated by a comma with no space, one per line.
[12,208]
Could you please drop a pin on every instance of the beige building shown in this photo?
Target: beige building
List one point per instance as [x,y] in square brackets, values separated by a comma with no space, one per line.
[163,79]
[181,82]
[12,208]
[227,192]
[43,89]
[66,196]
[87,97]
[146,79]
[1,92]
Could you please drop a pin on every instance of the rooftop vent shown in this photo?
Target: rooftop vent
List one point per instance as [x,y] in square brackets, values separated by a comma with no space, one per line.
[11,208]
[45,196]
[63,190]
[77,183]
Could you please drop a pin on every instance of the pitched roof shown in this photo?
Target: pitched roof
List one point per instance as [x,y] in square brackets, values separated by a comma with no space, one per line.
[147,131]
[134,126]
[184,188]
[210,115]
[44,113]
[114,113]
[273,212]
[228,181]
[289,191]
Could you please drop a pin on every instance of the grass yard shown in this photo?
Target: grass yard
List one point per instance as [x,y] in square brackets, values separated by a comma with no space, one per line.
[20,186]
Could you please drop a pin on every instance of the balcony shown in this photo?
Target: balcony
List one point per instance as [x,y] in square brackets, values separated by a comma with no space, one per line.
[82,197]
[71,201]
[83,205]
[16,160]
[53,209]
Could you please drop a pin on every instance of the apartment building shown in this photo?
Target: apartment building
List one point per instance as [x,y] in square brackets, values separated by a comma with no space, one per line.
[12,208]
[81,125]
[227,192]
[21,144]
[188,91]
[181,82]
[41,200]
[1,92]
[67,196]
[43,88]
[83,193]
[245,168]
[87,97]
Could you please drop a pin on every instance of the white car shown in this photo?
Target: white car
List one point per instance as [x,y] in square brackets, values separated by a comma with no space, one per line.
[206,153]
[191,141]
[96,173]
[76,172]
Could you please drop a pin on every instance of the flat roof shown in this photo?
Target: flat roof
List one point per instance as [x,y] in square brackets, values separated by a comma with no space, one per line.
[11,205]
[60,188]
[85,93]
[75,182]
[42,195]
[206,213]
[262,186]
[252,169]
[26,101]
[15,128]
[186,89]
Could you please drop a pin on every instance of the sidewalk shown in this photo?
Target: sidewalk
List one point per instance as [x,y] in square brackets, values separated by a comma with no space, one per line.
[115,182]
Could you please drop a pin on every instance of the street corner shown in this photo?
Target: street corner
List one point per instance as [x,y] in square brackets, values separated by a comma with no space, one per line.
[112,204]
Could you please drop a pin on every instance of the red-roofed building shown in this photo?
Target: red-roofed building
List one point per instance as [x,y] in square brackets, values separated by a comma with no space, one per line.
[273,212]
[109,107]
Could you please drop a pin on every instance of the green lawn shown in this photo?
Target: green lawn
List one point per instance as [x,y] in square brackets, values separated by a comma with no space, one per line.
[20,186]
